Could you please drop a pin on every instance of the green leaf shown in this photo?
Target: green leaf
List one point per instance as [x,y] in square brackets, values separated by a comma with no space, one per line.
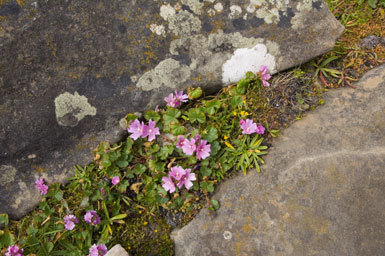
[122,163]
[6,239]
[4,219]
[211,106]
[177,129]
[242,85]
[207,186]
[205,171]
[151,114]
[215,147]
[236,101]
[328,60]
[195,93]
[130,117]
[139,169]
[373,3]
[171,115]
[196,115]
[212,134]
[165,151]
[119,217]
[215,204]
[156,166]
[122,186]
[58,195]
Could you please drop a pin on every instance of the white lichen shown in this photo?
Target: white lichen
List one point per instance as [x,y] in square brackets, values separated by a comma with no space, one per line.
[168,73]
[235,11]
[305,5]
[195,5]
[218,7]
[7,174]
[211,12]
[167,11]
[227,235]
[70,109]
[247,59]
[184,24]
[158,29]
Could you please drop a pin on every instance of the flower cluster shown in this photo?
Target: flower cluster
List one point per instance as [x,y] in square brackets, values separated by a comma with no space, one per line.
[197,145]
[14,250]
[181,176]
[69,222]
[139,129]
[98,250]
[92,217]
[265,76]
[39,184]
[176,100]
[249,127]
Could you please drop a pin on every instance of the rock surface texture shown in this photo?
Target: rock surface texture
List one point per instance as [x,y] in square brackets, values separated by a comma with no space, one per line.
[70,70]
[117,250]
[321,191]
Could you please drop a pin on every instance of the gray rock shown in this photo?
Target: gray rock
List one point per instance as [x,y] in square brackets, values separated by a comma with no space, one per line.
[70,70]
[117,250]
[370,42]
[321,191]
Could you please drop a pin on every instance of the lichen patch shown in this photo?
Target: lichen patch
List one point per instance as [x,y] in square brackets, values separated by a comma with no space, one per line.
[158,29]
[168,73]
[7,174]
[195,5]
[184,24]
[247,59]
[235,11]
[167,11]
[70,109]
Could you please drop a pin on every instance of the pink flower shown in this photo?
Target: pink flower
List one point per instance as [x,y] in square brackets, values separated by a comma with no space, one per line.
[264,75]
[92,217]
[102,191]
[150,130]
[197,137]
[168,184]
[136,128]
[260,129]
[176,100]
[189,147]
[69,221]
[181,140]
[98,250]
[170,99]
[248,127]
[14,250]
[186,179]
[177,172]
[39,184]
[115,180]
[203,150]
[180,97]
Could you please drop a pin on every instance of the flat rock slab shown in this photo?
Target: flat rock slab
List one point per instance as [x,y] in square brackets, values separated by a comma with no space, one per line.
[70,70]
[321,191]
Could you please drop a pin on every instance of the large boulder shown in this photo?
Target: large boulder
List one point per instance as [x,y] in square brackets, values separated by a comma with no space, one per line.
[321,191]
[70,70]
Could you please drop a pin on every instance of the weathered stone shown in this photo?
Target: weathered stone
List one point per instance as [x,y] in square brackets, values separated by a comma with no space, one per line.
[117,250]
[321,191]
[70,70]
[370,42]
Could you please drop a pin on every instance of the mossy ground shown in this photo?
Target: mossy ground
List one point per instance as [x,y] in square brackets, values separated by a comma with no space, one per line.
[290,95]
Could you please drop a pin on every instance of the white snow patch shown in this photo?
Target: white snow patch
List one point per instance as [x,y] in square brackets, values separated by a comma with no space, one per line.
[166,11]
[244,60]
